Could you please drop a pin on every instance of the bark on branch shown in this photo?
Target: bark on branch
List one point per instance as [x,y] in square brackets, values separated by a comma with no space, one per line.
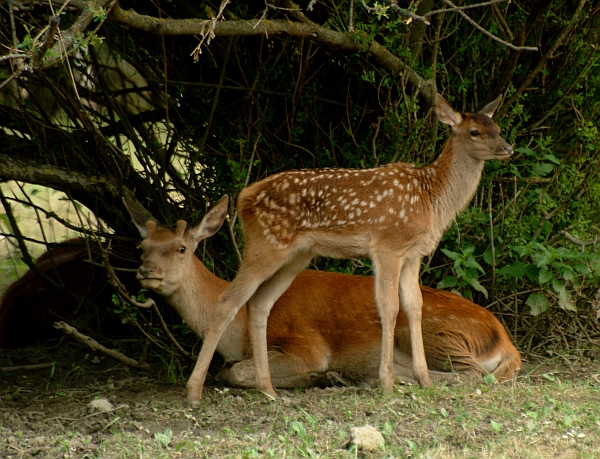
[68,38]
[349,42]
[60,178]
[96,346]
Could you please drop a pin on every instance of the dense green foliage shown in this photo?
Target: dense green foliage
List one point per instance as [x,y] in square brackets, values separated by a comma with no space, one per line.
[136,108]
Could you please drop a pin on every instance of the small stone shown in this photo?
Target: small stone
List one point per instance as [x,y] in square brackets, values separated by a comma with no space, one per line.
[100,405]
[366,438]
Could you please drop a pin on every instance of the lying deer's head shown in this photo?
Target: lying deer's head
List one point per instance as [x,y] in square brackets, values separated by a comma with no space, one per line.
[167,254]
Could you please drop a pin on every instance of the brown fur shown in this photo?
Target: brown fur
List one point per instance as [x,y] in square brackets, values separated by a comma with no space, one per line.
[31,305]
[325,322]
[393,214]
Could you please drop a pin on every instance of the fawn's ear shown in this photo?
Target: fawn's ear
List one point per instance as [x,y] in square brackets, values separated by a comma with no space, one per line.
[490,108]
[212,221]
[446,113]
[142,222]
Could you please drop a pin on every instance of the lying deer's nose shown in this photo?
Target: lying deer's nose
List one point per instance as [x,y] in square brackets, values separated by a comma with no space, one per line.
[508,149]
[146,271]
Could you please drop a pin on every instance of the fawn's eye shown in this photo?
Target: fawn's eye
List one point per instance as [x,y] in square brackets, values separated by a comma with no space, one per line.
[474,133]
[181,249]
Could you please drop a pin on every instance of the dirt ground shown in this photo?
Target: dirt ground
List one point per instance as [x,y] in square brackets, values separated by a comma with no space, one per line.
[45,413]
[40,406]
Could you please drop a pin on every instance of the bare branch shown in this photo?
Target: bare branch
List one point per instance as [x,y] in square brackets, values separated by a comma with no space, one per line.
[295,12]
[575,240]
[57,177]
[96,346]
[548,54]
[466,7]
[13,56]
[488,34]
[170,335]
[35,366]
[337,40]
[48,40]
[400,11]
[68,38]
[19,5]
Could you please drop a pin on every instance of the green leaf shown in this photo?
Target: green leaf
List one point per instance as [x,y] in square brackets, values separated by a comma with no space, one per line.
[450,254]
[537,303]
[516,270]
[532,272]
[164,438]
[542,169]
[489,379]
[582,268]
[477,286]
[545,276]
[496,426]
[521,251]
[568,273]
[468,250]
[551,158]
[487,256]
[557,285]
[471,263]
[542,258]
[525,150]
[447,282]
[565,301]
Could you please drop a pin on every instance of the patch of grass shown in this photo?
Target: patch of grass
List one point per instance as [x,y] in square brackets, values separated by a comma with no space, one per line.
[531,417]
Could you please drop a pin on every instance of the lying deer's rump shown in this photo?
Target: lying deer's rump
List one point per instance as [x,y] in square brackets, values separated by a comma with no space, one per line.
[31,305]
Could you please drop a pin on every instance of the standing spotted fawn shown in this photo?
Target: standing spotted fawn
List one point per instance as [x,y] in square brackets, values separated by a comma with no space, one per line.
[394,214]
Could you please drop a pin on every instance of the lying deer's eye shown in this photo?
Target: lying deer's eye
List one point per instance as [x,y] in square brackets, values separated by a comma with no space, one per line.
[474,133]
[181,249]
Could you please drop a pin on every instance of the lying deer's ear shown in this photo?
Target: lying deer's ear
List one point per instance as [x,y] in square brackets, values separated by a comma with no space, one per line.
[139,219]
[490,108]
[212,221]
[446,113]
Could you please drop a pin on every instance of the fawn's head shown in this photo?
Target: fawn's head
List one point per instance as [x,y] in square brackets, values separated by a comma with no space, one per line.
[475,132]
[167,254]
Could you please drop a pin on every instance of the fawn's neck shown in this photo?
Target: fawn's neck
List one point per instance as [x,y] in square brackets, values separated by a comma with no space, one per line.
[458,175]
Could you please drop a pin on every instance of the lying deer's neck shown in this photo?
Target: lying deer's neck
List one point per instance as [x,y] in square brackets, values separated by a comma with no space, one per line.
[195,300]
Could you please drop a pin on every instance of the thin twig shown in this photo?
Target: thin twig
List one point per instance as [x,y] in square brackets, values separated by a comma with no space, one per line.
[96,346]
[374,142]
[489,34]
[13,56]
[47,40]
[574,240]
[118,285]
[149,303]
[36,366]
[460,8]
[397,10]
[231,221]
[169,334]
[22,246]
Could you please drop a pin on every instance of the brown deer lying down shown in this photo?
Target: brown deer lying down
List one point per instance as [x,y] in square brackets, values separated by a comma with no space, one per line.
[31,305]
[324,322]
